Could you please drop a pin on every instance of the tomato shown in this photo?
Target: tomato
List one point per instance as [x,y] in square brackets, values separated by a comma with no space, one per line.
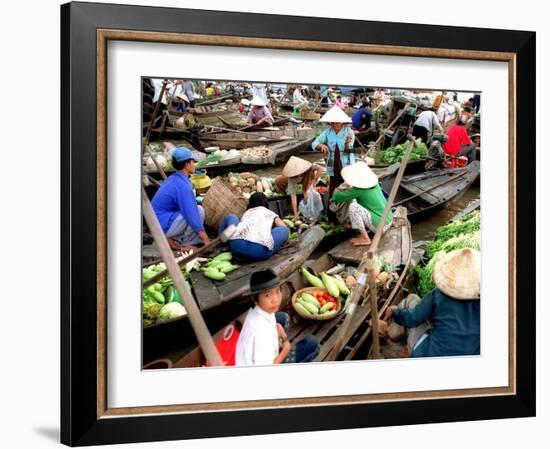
[322,302]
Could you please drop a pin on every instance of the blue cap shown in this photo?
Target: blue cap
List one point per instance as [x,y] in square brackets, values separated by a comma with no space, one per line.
[181,154]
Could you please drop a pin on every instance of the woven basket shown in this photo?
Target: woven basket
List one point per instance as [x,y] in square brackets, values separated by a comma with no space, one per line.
[220,200]
[310,316]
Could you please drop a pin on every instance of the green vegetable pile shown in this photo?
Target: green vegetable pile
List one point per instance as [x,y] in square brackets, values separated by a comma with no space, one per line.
[395,154]
[158,299]
[461,233]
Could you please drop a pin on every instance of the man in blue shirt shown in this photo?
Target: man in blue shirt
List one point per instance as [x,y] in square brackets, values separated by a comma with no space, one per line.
[175,204]
[362,117]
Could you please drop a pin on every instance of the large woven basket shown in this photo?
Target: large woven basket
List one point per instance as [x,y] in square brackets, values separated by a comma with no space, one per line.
[310,316]
[220,200]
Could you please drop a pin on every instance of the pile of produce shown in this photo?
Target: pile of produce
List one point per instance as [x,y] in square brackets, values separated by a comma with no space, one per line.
[296,227]
[461,233]
[217,268]
[395,154]
[165,162]
[334,285]
[256,155]
[161,301]
[219,156]
[318,303]
[248,183]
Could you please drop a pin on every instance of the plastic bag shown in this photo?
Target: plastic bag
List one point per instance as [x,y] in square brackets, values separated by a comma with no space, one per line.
[312,206]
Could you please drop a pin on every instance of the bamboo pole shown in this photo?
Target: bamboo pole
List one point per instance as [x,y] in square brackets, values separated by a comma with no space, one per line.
[156,111]
[366,271]
[195,318]
[152,156]
[394,121]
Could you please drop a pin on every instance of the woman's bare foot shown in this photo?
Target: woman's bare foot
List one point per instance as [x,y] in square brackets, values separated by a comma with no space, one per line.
[360,241]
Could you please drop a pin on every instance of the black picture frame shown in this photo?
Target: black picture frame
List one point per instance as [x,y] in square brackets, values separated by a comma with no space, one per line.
[81,424]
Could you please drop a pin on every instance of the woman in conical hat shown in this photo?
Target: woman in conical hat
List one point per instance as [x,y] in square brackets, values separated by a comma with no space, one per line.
[452,309]
[297,171]
[361,185]
[259,114]
[337,143]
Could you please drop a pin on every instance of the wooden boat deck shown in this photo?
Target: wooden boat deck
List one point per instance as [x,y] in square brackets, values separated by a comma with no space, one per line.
[210,293]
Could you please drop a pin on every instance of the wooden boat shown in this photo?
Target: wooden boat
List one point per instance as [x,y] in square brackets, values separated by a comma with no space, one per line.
[243,126]
[396,248]
[241,140]
[280,152]
[423,193]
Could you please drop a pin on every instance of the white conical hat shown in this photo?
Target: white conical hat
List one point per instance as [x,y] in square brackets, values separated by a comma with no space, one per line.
[335,115]
[245,101]
[257,101]
[457,274]
[295,166]
[359,175]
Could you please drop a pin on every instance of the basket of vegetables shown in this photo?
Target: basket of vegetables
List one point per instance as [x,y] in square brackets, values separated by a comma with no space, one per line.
[314,303]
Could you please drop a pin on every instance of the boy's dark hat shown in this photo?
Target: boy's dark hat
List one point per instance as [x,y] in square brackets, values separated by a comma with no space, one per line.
[263,280]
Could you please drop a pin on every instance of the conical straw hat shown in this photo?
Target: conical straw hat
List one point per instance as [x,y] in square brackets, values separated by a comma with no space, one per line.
[257,101]
[359,175]
[295,167]
[457,274]
[335,115]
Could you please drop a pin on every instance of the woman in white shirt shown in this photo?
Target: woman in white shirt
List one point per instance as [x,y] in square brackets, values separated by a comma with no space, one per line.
[263,339]
[260,232]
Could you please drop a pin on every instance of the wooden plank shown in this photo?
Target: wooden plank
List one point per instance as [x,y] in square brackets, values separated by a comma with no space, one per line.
[361,313]
[347,253]
[414,189]
[205,291]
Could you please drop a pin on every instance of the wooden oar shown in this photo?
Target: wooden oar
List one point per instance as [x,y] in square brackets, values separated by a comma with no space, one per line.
[195,318]
[366,270]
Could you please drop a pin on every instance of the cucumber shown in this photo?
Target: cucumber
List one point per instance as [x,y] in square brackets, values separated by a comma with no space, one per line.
[310,299]
[158,296]
[330,285]
[213,274]
[311,279]
[227,268]
[223,256]
[301,308]
[327,307]
[310,308]
[220,265]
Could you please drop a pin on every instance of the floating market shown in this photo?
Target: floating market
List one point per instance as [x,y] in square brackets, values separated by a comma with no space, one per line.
[289,223]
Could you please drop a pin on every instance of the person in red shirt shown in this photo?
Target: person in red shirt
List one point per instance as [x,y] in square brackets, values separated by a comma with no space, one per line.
[459,143]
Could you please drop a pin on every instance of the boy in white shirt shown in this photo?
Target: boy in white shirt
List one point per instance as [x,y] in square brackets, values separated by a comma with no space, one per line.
[263,339]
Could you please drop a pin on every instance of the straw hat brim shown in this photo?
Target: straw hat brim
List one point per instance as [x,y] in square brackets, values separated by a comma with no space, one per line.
[359,175]
[296,166]
[335,115]
[257,101]
[457,274]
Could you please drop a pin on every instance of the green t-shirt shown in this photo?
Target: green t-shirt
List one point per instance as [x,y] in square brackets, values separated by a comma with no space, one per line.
[372,199]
